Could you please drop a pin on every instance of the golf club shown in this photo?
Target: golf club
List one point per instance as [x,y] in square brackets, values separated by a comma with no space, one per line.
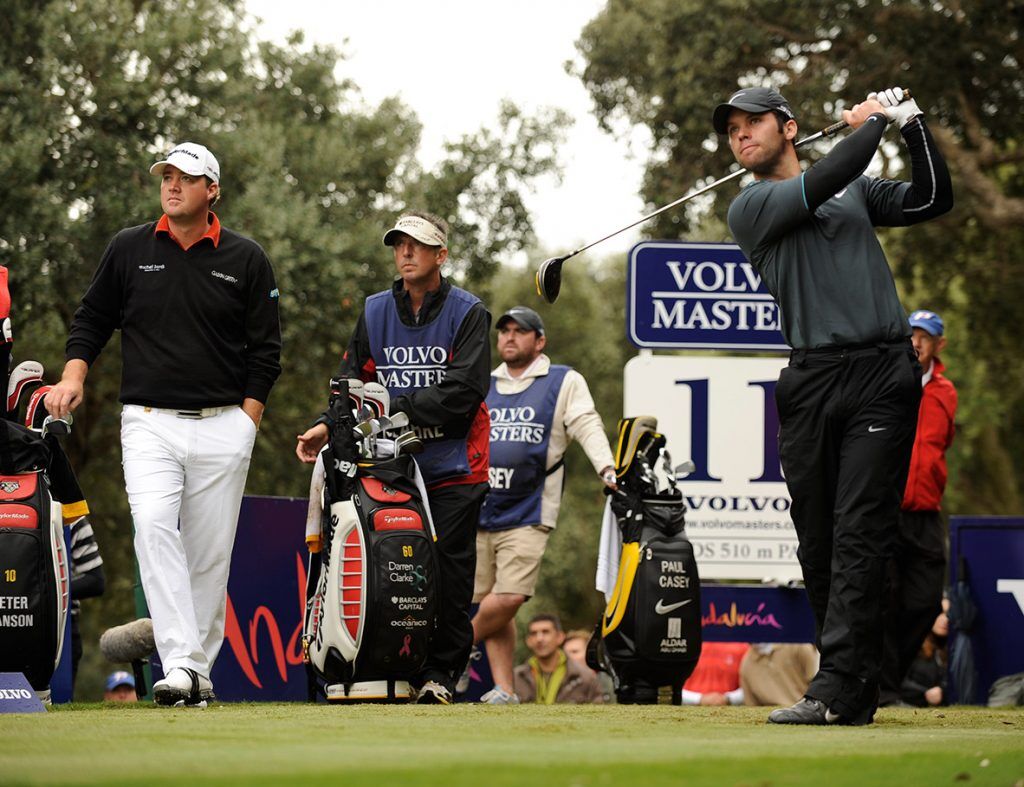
[408,443]
[396,421]
[549,274]
[368,428]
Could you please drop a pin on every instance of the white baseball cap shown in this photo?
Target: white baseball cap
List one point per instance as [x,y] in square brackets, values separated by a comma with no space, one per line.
[192,159]
[422,230]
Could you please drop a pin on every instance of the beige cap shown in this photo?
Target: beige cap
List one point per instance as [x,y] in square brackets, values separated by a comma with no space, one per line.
[418,228]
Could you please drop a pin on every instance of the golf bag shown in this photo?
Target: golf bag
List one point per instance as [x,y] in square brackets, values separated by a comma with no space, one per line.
[650,633]
[371,595]
[34,580]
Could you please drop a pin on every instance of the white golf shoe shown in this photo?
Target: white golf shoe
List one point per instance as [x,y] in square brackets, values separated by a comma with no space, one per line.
[183,688]
[498,696]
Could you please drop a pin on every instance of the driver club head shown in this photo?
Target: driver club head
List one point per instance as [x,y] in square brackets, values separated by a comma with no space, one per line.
[549,278]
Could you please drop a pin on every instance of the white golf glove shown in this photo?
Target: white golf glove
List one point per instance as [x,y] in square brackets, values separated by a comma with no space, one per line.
[897,110]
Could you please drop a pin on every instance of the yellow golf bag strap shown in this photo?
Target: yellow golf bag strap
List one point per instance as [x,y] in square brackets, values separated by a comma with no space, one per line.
[629,562]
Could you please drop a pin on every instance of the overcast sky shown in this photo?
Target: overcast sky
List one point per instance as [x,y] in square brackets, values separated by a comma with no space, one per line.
[471,54]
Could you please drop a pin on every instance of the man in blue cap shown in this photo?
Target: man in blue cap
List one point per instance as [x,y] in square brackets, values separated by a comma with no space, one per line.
[120,687]
[918,569]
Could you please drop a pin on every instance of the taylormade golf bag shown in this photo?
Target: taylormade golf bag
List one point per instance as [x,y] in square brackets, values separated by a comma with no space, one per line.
[371,595]
[650,634]
[34,578]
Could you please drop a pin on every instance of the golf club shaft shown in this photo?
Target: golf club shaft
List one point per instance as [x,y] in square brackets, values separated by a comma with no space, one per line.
[829,131]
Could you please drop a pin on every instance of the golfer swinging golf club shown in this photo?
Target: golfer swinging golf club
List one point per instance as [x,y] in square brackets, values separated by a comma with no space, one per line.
[848,400]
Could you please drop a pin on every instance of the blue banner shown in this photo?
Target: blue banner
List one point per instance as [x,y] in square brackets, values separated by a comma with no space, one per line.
[987,575]
[755,613]
[698,296]
[262,654]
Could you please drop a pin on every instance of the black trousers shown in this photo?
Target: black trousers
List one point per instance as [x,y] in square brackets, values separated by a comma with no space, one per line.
[456,512]
[917,574]
[847,422]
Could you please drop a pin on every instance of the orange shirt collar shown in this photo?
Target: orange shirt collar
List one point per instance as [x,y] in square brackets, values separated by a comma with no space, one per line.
[212,231]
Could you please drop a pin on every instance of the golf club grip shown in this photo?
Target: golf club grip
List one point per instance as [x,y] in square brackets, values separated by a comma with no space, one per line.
[835,128]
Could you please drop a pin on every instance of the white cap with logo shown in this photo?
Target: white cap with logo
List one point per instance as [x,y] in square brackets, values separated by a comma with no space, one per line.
[192,159]
[419,228]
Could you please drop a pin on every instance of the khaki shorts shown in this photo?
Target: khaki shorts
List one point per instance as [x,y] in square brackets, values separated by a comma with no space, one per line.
[508,561]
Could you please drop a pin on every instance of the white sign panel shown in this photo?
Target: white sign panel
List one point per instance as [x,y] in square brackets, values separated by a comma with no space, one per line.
[720,413]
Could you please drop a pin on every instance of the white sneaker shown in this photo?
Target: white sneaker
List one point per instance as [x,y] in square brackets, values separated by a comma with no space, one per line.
[433,693]
[462,685]
[182,688]
[498,696]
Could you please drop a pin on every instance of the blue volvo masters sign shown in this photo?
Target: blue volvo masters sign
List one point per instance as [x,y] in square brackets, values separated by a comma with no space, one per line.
[698,295]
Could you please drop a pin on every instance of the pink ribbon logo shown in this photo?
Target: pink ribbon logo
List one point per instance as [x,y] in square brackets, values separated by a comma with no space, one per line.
[406,650]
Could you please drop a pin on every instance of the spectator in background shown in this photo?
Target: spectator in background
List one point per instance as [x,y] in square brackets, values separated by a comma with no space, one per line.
[917,571]
[549,676]
[775,673]
[575,647]
[120,687]
[716,678]
[925,683]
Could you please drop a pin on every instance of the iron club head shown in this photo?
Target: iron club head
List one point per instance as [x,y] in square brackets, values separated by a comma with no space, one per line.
[408,443]
[549,278]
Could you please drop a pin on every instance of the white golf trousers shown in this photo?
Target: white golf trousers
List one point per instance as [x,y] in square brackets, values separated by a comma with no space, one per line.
[185,478]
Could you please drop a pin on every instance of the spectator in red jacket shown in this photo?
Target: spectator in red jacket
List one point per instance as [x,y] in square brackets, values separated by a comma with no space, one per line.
[716,679]
[918,570]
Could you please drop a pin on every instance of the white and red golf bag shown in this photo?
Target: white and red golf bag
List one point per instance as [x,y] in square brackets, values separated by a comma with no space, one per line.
[371,595]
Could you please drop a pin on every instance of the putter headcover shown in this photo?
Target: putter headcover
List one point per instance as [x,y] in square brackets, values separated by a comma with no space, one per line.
[549,278]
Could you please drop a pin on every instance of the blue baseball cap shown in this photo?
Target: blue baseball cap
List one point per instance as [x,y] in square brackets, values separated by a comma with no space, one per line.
[927,321]
[120,678]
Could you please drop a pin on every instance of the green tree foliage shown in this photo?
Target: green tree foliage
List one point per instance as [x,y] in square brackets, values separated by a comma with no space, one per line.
[666,63]
[91,92]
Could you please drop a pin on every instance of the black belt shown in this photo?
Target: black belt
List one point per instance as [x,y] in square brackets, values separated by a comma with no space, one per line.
[846,350]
